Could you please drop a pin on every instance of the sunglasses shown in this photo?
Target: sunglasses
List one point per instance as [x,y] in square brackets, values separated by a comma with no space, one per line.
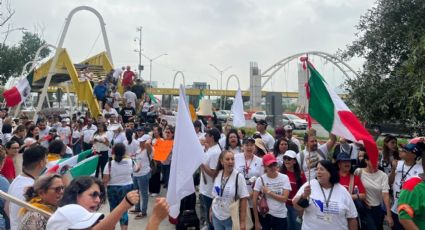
[58,189]
[96,194]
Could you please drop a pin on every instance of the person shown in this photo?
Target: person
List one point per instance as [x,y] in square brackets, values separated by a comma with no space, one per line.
[87,134]
[276,187]
[128,77]
[128,113]
[130,97]
[138,89]
[33,132]
[57,150]
[289,136]
[73,216]
[100,144]
[208,171]
[313,153]
[8,170]
[389,154]
[4,186]
[109,110]
[34,162]
[228,186]
[410,202]
[7,133]
[44,194]
[19,136]
[352,149]
[292,169]
[198,130]
[241,134]
[279,149]
[249,165]
[44,132]
[131,143]
[401,171]
[155,180]
[166,165]
[265,136]
[260,148]
[159,212]
[88,193]
[117,176]
[377,191]
[117,74]
[64,131]
[329,205]
[100,92]
[77,128]
[142,174]
[232,142]
[116,98]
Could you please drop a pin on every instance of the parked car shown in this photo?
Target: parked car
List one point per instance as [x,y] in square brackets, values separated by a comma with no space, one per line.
[224,115]
[259,115]
[294,121]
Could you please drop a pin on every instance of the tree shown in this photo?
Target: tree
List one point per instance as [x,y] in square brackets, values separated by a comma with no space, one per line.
[13,58]
[391,39]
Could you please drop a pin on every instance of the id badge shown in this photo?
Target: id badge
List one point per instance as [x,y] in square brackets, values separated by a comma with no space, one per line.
[327,218]
[220,202]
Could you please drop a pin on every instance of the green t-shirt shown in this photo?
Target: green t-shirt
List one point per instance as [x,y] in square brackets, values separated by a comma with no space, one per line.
[411,203]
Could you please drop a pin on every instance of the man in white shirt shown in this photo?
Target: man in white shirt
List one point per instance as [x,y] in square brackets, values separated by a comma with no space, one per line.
[116,99]
[44,131]
[130,97]
[34,162]
[288,134]
[64,131]
[265,136]
[208,171]
[313,153]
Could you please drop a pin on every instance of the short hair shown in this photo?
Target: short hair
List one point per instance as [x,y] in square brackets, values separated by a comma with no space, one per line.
[78,186]
[215,133]
[7,128]
[332,169]
[57,147]
[32,156]
[119,151]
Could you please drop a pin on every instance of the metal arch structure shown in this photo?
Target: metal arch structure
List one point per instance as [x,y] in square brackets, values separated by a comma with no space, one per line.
[270,72]
[227,86]
[181,74]
[59,49]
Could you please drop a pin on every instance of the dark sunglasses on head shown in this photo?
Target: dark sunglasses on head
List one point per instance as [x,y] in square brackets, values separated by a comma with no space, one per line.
[96,194]
[58,189]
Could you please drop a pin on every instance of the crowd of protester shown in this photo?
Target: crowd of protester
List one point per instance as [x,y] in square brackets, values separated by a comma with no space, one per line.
[280,181]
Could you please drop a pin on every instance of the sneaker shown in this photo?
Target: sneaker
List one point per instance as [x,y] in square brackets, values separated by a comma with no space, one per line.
[134,211]
[154,194]
[140,216]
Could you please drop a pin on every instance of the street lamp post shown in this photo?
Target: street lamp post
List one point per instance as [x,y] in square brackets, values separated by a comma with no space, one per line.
[139,29]
[221,78]
[150,64]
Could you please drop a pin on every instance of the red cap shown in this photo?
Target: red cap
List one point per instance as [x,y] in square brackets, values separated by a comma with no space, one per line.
[269,159]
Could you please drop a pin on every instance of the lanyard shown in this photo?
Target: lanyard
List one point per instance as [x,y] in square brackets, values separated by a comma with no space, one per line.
[27,174]
[403,176]
[329,197]
[248,167]
[223,185]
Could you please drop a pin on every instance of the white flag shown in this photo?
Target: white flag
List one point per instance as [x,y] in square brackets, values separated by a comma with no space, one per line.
[237,110]
[187,157]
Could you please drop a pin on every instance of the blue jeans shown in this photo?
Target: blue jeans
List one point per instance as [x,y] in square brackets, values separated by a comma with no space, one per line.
[374,218]
[165,174]
[116,194]
[269,222]
[143,186]
[206,203]
[222,224]
[292,218]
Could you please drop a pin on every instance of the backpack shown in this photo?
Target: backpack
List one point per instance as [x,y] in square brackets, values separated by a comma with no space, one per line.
[188,219]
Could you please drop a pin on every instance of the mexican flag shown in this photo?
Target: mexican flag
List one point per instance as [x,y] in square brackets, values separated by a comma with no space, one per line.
[86,167]
[153,98]
[19,92]
[331,112]
[63,165]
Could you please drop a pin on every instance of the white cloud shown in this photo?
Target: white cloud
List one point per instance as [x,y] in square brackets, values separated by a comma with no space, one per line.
[196,33]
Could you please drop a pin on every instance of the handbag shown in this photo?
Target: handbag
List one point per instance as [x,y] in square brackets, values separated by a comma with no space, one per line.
[235,211]
[262,206]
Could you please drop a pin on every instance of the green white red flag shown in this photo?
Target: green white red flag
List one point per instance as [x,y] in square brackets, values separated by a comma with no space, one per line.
[86,167]
[19,92]
[63,165]
[327,108]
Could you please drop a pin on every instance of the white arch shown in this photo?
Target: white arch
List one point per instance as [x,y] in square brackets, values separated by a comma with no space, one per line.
[175,75]
[269,73]
[59,49]
[227,86]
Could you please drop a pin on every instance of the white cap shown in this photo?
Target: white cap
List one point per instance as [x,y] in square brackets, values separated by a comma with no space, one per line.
[144,138]
[290,153]
[287,127]
[72,216]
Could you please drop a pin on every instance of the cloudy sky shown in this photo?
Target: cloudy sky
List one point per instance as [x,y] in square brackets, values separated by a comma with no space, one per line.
[196,33]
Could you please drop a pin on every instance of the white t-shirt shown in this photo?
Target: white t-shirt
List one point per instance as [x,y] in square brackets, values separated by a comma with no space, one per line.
[43,133]
[211,160]
[118,138]
[142,161]
[222,140]
[98,146]
[249,168]
[17,189]
[117,97]
[112,111]
[403,172]
[130,97]
[120,172]
[117,73]
[315,158]
[88,133]
[276,185]
[76,133]
[64,133]
[375,184]
[132,148]
[268,140]
[236,150]
[318,216]
[224,191]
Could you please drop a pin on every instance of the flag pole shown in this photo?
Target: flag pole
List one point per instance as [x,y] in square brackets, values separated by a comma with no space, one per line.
[307,89]
[23,204]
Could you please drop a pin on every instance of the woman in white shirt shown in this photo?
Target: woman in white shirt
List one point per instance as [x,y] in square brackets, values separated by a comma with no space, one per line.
[276,187]
[76,136]
[232,142]
[225,193]
[325,202]
[142,176]
[109,110]
[100,144]
[279,149]
[117,177]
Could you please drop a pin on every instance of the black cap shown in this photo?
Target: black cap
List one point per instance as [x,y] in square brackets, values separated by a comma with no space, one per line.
[343,156]
[262,122]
